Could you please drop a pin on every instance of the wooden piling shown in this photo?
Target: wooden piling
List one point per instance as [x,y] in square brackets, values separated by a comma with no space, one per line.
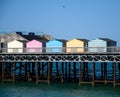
[48,73]
[37,77]
[114,74]
[62,72]
[74,70]
[3,72]
[80,73]
[14,71]
[93,74]
[105,72]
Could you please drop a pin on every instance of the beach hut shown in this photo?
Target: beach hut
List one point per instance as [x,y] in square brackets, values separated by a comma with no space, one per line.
[35,46]
[16,46]
[76,45]
[102,45]
[55,45]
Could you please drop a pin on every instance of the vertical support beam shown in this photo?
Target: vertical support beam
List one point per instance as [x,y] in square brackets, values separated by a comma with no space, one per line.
[105,72]
[114,74]
[26,67]
[42,69]
[62,73]
[3,72]
[80,73]
[69,70]
[57,70]
[119,70]
[66,69]
[29,75]
[49,73]
[14,67]
[102,75]
[74,69]
[20,69]
[0,70]
[33,69]
[37,72]
[93,74]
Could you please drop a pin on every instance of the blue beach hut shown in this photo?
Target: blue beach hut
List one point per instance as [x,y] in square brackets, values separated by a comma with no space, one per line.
[56,46]
[102,45]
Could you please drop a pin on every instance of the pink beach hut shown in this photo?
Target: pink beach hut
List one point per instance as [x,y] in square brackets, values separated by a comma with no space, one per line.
[34,46]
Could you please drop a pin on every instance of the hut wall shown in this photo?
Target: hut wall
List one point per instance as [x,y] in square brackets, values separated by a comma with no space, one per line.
[15,47]
[54,46]
[75,46]
[97,45]
[34,46]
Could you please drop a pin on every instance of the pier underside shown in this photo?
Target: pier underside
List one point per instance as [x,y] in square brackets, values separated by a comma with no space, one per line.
[82,68]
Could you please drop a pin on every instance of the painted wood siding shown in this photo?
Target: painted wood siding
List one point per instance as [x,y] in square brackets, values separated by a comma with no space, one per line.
[97,45]
[54,46]
[34,46]
[15,47]
[75,45]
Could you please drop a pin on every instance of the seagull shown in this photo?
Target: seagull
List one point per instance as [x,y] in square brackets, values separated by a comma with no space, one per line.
[63,6]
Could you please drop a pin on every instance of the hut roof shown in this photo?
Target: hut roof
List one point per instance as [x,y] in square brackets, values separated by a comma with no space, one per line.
[61,40]
[107,39]
[85,40]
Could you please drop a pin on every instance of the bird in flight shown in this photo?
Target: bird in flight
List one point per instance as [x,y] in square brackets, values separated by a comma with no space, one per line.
[63,6]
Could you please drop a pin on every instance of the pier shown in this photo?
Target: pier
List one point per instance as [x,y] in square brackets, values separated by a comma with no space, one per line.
[93,68]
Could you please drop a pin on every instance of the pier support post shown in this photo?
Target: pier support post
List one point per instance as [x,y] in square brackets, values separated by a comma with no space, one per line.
[14,70]
[114,74]
[105,72]
[3,72]
[74,70]
[80,73]
[69,68]
[93,73]
[62,73]
[37,72]
[119,70]
[48,73]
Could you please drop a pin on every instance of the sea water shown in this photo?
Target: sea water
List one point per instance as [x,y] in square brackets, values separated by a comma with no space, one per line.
[30,89]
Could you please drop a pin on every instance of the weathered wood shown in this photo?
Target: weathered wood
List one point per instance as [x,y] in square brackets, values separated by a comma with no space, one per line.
[105,72]
[49,73]
[114,74]
[74,69]
[69,68]
[62,72]
[80,73]
[37,77]
[93,73]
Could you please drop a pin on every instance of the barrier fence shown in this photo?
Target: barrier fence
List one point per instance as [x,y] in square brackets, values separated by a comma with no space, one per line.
[62,50]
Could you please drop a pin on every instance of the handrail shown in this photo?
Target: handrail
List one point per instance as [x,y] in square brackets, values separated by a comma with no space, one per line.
[112,49]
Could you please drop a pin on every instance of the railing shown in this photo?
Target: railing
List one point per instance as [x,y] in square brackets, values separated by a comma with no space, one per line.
[62,50]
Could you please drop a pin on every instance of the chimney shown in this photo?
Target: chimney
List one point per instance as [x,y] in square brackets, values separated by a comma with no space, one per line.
[20,33]
[31,34]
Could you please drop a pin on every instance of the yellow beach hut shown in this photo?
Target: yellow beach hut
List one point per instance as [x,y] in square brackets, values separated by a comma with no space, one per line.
[76,45]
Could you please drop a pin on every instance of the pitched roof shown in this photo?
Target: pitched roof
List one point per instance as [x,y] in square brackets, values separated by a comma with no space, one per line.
[61,40]
[85,40]
[107,39]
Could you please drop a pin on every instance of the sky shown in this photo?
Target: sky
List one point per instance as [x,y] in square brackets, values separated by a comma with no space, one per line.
[63,19]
